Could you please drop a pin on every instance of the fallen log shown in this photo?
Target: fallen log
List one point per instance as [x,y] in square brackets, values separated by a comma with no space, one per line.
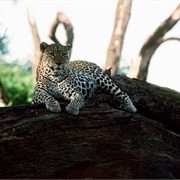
[101,142]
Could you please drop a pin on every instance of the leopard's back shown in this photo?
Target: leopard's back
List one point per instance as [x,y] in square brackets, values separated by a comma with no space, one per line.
[104,82]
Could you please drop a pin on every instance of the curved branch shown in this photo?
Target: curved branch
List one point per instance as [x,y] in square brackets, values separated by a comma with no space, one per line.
[170,39]
[139,68]
[62,18]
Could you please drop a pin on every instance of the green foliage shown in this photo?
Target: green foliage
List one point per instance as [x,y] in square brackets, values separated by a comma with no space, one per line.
[17,81]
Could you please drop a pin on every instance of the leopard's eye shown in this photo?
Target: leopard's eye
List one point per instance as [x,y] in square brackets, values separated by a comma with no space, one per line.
[51,53]
[63,54]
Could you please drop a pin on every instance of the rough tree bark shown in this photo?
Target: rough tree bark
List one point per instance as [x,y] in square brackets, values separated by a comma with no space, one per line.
[115,47]
[102,142]
[139,68]
[61,18]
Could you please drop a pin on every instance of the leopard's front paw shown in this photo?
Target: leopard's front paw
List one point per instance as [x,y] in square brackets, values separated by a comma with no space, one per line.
[72,110]
[53,105]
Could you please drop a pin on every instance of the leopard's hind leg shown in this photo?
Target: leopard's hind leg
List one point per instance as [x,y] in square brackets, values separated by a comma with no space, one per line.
[105,83]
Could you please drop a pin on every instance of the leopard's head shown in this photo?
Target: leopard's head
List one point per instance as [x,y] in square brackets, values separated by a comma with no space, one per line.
[55,57]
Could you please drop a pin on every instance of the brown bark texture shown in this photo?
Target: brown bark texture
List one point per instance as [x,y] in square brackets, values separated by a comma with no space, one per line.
[36,42]
[101,142]
[120,24]
[139,68]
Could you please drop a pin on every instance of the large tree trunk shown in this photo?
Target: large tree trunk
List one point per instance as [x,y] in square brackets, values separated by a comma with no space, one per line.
[121,21]
[36,42]
[101,142]
[139,68]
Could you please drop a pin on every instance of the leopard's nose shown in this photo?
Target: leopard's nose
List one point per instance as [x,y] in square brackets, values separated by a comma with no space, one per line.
[58,64]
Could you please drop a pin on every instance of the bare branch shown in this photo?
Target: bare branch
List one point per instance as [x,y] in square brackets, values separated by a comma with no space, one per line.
[120,25]
[139,68]
[36,41]
[62,18]
[170,39]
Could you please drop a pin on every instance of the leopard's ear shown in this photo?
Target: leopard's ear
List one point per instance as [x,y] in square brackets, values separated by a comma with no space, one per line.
[69,46]
[43,46]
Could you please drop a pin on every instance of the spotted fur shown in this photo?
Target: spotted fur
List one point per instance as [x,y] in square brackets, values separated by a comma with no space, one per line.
[57,77]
